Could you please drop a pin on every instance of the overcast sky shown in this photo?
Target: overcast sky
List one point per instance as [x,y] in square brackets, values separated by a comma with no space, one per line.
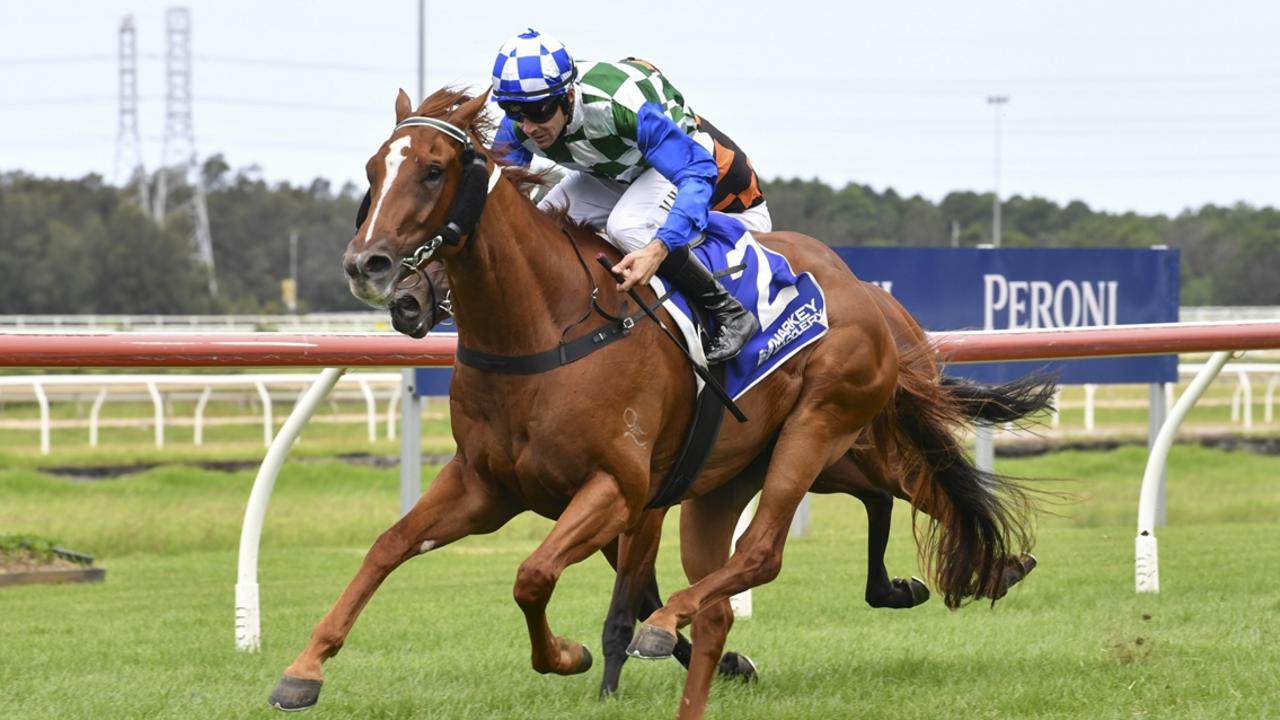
[1150,106]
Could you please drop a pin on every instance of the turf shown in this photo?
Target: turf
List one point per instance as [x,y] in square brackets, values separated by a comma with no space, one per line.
[443,639]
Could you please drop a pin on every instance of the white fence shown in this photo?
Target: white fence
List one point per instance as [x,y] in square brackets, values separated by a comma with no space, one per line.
[47,388]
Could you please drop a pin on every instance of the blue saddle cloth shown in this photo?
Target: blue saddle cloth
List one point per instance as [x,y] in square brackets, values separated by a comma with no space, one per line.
[791,308]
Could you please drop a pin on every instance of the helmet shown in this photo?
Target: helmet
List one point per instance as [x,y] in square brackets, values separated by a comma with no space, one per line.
[532,66]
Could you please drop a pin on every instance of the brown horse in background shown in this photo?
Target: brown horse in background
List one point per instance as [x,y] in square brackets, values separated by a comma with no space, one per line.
[562,442]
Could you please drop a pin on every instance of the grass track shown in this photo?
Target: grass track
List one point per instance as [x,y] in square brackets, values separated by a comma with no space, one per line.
[443,639]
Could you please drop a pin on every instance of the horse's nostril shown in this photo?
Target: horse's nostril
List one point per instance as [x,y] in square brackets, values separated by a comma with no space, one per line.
[377,265]
[408,307]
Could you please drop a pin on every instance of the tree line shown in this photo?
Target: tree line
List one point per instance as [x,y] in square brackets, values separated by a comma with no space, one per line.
[85,246]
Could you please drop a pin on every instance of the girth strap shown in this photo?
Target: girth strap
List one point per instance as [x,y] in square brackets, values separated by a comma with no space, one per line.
[540,362]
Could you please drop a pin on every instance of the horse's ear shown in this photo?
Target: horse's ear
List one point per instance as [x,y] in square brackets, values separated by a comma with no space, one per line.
[464,113]
[404,108]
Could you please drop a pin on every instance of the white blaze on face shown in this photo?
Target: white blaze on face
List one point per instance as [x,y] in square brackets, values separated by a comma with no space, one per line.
[395,156]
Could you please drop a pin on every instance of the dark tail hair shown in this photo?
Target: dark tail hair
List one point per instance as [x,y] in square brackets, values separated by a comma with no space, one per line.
[1012,402]
[977,519]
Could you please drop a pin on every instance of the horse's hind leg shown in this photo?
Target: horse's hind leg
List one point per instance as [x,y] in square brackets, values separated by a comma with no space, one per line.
[864,475]
[706,531]
[635,595]
[456,505]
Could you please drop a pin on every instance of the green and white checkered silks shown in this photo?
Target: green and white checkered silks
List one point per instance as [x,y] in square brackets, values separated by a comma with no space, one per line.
[601,136]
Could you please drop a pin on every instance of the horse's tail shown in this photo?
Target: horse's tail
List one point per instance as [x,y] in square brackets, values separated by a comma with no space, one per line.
[977,519]
[998,404]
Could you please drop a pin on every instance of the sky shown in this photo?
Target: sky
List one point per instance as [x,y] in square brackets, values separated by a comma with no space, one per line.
[1149,106]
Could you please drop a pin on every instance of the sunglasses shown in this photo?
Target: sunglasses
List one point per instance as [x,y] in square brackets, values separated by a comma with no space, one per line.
[538,111]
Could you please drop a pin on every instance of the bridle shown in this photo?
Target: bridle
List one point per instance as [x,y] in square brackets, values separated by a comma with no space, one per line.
[464,213]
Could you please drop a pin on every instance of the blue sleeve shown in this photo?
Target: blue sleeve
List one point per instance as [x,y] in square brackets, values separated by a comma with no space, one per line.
[505,142]
[686,164]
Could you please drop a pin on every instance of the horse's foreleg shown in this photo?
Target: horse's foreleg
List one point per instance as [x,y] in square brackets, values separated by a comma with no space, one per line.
[595,515]
[456,505]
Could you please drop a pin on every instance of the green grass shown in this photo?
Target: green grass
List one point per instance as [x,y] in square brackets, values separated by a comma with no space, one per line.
[443,639]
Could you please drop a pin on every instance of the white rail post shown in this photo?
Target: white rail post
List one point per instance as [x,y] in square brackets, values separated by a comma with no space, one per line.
[370,409]
[43,400]
[201,404]
[157,405]
[1268,413]
[410,441]
[1146,560]
[741,603]
[393,404]
[93,416]
[1090,390]
[268,417]
[248,611]
[1246,397]
[984,447]
[1157,412]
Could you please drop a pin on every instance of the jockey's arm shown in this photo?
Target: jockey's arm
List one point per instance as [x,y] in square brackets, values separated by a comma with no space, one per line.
[692,170]
[686,164]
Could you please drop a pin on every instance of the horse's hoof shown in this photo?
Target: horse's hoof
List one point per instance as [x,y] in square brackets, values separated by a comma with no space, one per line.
[584,663]
[919,591]
[1028,563]
[294,694]
[738,667]
[652,643]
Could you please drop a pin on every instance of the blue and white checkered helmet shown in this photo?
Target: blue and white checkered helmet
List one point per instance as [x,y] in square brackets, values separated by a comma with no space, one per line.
[532,66]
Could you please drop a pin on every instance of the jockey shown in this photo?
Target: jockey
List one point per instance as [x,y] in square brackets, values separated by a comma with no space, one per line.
[646,169]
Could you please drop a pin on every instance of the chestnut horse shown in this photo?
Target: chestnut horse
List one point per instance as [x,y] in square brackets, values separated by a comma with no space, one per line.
[563,443]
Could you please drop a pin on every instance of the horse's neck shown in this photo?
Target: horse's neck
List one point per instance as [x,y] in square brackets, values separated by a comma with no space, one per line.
[519,284]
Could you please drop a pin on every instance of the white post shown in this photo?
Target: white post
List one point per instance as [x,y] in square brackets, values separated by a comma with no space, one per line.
[94,413]
[984,447]
[43,401]
[393,404]
[1268,413]
[370,408]
[157,404]
[1157,412]
[1246,397]
[741,603]
[199,421]
[248,612]
[1146,561]
[268,418]
[1090,390]
[410,441]
[800,521]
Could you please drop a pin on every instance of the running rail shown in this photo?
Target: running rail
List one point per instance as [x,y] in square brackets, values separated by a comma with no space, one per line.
[345,350]
[191,349]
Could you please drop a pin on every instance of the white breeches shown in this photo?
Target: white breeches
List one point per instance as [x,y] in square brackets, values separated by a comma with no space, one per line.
[630,215]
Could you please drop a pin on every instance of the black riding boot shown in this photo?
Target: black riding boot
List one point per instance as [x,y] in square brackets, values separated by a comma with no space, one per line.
[735,324]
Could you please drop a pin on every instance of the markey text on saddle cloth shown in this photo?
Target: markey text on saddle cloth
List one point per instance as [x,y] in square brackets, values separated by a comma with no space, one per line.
[791,308]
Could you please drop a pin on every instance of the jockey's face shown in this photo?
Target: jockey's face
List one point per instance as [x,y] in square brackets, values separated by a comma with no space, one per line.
[544,133]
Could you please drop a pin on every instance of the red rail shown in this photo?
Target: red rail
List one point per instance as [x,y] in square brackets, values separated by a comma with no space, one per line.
[211,349]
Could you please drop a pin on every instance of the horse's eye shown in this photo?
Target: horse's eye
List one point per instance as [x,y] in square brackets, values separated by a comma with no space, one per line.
[434,173]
